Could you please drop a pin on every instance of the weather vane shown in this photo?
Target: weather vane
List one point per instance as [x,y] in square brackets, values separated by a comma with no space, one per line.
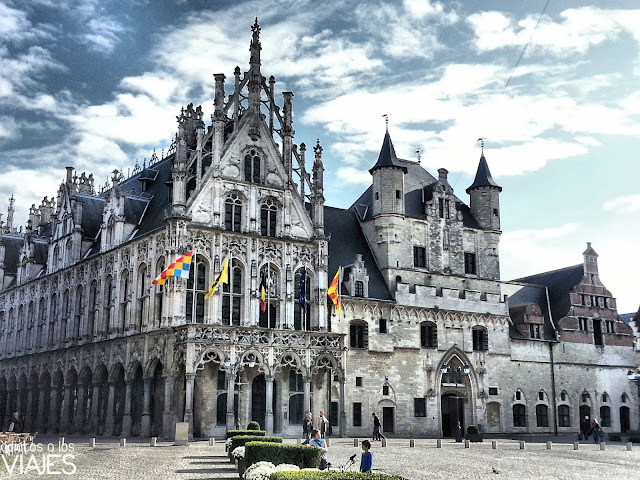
[386,120]
[481,140]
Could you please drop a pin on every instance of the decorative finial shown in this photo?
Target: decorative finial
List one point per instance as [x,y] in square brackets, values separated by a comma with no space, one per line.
[386,120]
[481,140]
[318,148]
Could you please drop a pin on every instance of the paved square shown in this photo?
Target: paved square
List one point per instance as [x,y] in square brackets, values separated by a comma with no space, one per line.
[199,461]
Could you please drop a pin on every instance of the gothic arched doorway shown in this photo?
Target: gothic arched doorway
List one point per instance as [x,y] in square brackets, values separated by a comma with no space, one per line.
[449,403]
[259,400]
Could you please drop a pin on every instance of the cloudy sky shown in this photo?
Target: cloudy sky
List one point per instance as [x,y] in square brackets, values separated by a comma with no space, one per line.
[97,84]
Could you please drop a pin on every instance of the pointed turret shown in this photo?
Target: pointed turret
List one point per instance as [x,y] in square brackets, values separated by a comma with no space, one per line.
[388,181]
[485,197]
[590,260]
[10,211]
[317,197]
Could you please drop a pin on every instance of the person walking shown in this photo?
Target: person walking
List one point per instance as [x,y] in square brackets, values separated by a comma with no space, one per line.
[316,441]
[307,428]
[598,436]
[376,427]
[324,424]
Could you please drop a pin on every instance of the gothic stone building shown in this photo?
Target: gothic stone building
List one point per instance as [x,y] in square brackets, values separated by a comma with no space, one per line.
[89,345]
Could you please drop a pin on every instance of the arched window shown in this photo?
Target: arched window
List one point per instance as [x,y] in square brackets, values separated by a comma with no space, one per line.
[300,317]
[542,416]
[480,339]
[564,418]
[109,299]
[124,301]
[53,314]
[143,297]
[31,321]
[268,217]
[93,310]
[359,335]
[69,253]
[232,295]
[159,293]
[65,316]
[201,288]
[605,416]
[605,397]
[296,394]
[233,213]
[20,330]
[78,313]
[270,280]
[428,335]
[519,415]
[252,167]
[57,259]
[42,319]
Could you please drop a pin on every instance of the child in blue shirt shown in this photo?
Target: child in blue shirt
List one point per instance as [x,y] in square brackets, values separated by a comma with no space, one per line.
[367,457]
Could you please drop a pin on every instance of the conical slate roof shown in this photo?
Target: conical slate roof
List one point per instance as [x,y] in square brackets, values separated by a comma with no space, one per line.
[387,157]
[483,176]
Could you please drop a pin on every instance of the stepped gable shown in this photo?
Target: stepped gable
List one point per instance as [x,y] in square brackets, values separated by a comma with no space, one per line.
[347,241]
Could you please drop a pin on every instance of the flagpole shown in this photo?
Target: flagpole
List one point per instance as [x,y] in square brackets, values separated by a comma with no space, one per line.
[195,279]
[268,287]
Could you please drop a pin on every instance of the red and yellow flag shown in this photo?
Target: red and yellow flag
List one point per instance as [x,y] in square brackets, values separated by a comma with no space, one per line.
[180,268]
[334,292]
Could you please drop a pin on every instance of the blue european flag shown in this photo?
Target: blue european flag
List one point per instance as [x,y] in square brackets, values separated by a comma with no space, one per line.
[302,289]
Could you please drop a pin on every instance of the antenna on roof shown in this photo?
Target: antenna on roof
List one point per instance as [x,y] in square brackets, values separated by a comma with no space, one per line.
[386,120]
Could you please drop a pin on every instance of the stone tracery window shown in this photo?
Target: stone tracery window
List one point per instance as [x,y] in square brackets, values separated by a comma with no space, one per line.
[252,167]
[195,313]
[268,218]
[233,213]
[232,295]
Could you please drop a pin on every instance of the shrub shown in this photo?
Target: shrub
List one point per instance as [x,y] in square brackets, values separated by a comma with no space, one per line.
[259,471]
[238,453]
[615,437]
[312,475]
[253,425]
[233,433]
[472,430]
[241,440]
[634,439]
[301,455]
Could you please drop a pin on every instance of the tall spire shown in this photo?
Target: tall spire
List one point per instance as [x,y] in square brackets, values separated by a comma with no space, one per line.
[387,157]
[255,77]
[10,212]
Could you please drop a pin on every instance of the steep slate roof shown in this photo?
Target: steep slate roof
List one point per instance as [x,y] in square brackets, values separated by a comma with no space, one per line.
[483,176]
[559,283]
[348,240]
[12,247]
[387,157]
[627,317]
[418,188]
[517,303]
[92,208]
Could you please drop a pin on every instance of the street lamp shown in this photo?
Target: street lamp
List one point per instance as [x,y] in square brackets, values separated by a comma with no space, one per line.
[457,372]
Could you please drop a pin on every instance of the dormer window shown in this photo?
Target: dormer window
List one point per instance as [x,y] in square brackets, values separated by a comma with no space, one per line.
[252,167]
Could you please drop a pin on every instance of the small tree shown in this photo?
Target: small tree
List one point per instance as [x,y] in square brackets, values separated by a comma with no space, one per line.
[253,425]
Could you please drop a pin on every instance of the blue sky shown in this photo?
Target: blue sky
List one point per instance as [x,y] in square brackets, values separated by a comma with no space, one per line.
[97,84]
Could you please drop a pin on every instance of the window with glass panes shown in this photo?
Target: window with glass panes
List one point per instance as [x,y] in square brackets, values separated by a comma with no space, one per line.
[232,295]
[564,419]
[269,318]
[268,218]
[299,320]
[419,257]
[519,415]
[252,167]
[470,263]
[605,416]
[420,407]
[480,339]
[159,293]
[542,416]
[201,289]
[233,213]
[358,335]
[359,290]
[428,335]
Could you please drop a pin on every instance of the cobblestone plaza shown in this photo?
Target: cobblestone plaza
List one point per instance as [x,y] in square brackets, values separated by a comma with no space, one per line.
[198,461]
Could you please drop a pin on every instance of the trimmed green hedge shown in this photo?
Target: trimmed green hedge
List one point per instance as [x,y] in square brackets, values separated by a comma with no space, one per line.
[241,440]
[634,439]
[310,475]
[614,437]
[253,425]
[256,433]
[303,456]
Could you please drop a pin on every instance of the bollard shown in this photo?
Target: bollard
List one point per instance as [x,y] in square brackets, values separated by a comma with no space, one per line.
[494,444]
[328,442]
[549,445]
[412,443]
[384,442]
[521,444]
[154,442]
[439,443]
[212,441]
[467,443]
[355,442]
[629,446]
[123,442]
[602,444]
[92,442]
[575,445]
[298,441]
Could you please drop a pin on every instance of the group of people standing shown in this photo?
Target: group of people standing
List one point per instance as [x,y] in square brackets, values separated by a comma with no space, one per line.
[315,437]
[592,428]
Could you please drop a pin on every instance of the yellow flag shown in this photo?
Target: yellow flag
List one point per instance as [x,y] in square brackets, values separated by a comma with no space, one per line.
[222,278]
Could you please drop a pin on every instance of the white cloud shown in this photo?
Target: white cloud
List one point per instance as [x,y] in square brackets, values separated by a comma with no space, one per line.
[103,35]
[354,175]
[624,204]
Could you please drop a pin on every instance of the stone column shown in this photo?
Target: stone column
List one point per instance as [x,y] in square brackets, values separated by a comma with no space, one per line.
[78,418]
[39,426]
[126,418]
[65,421]
[231,385]
[109,421]
[145,428]
[28,419]
[343,414]
[53,410]
[168,416]
[7,410]
[269,406]
[94,414]
[188,401]
[307,394]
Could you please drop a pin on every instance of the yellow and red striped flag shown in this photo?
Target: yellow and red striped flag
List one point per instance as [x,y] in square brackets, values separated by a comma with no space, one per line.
[180,268]
[334,292]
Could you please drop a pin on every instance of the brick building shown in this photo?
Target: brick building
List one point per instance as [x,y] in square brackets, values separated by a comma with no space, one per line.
[428,333]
